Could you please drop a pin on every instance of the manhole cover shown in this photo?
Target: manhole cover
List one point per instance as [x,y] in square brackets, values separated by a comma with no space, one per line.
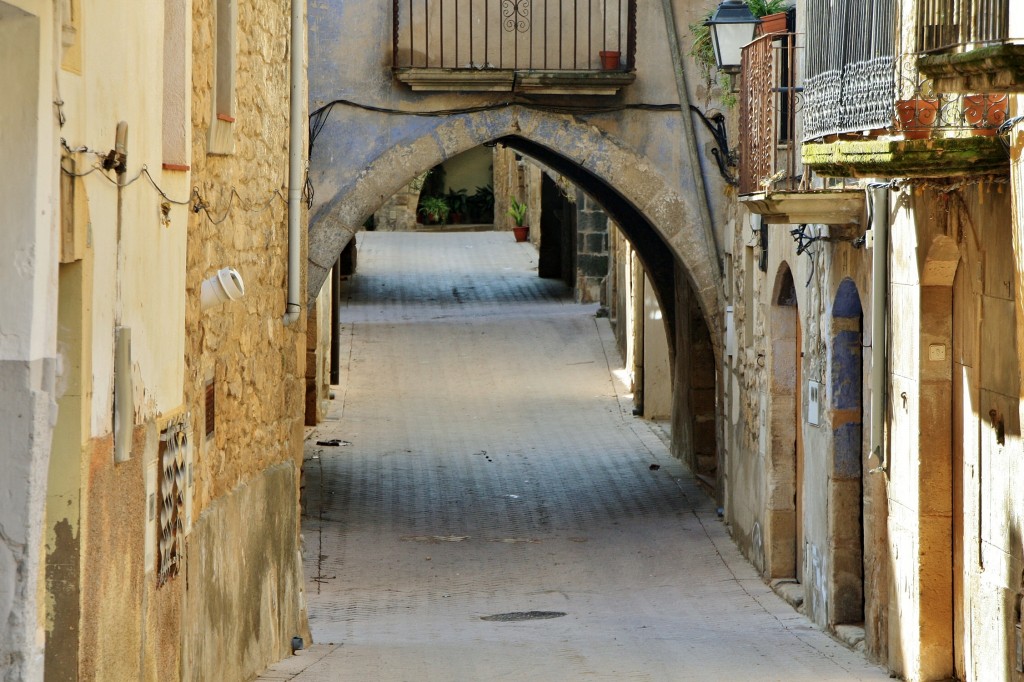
[523,615]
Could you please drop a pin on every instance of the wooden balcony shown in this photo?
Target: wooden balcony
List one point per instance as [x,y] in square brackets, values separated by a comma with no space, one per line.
[547,47]
[967,47]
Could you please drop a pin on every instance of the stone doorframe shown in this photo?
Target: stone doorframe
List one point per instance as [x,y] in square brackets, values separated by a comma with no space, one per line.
[781,508]
[661,222]
[934,600]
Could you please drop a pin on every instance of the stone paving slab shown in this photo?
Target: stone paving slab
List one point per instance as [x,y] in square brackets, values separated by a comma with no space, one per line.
[490,464]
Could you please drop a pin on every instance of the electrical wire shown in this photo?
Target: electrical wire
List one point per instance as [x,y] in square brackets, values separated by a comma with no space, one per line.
[318,118]
[195,199]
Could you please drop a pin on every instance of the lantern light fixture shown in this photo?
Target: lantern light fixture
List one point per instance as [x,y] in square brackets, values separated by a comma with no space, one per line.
[732,26]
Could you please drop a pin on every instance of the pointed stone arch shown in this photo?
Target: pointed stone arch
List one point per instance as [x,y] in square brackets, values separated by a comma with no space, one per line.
[660,220]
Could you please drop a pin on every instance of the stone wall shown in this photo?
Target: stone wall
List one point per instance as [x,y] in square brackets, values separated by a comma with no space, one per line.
[592,261]
[398,213]
[257,364]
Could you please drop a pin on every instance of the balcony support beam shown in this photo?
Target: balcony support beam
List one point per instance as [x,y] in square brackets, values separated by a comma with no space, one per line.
[928,158]
[996,68]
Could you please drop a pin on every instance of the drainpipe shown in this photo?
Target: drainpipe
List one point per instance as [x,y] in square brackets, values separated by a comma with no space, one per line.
[879,203]
[336,322]
[295,166]
[710,238]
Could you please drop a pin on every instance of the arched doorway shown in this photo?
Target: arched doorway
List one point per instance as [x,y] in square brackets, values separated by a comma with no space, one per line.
[846,505]
[784,546]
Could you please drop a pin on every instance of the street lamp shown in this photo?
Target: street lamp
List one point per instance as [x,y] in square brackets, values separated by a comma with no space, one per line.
[732,26]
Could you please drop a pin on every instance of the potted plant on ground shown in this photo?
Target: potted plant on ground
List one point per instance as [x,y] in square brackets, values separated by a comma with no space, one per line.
[457,204]
[434,210]
[517,209]
[481,204]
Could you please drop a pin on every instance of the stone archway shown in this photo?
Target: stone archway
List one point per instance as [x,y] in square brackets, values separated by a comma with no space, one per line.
[783,558]
[653,213]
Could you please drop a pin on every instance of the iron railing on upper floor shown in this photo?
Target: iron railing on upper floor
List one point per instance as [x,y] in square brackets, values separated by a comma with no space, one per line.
[548,35]
[850,59]
[944,25]
[861,77]
[768,102]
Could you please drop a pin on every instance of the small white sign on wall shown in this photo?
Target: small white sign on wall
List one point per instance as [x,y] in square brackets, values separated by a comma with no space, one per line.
[813,387]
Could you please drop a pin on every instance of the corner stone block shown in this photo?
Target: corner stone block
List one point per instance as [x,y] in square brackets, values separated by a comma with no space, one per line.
[593,266]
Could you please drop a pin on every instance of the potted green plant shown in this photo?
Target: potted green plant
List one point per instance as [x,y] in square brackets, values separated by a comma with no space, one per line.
[458,204]
[518,209]
[772,14]
[434,209]
[481,204]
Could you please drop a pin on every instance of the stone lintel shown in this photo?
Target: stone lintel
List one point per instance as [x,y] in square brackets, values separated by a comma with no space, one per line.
[819,206]
[536,82]
[993,68]
[928,158]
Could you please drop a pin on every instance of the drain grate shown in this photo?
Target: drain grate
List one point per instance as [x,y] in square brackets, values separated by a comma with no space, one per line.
[523,615]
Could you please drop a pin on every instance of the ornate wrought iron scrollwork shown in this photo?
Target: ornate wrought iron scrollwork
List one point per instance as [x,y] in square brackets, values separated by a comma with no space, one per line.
[515,15]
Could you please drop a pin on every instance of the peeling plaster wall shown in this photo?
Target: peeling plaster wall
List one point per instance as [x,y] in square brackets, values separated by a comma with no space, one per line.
[29,362]
[101,519]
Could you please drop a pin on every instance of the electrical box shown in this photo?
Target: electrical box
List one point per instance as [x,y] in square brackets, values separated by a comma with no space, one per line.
[813,402]
[152,501]
[730,332]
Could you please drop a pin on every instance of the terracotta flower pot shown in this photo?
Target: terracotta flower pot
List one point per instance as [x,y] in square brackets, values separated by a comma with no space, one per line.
[773,23]
[521,232]
[916,117]
[985,113]
[610,60]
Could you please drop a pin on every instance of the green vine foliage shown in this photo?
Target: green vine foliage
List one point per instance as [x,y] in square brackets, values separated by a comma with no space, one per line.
[762,8]
[703,52]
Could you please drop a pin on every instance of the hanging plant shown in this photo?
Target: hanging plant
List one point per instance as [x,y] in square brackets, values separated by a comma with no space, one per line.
[702,50]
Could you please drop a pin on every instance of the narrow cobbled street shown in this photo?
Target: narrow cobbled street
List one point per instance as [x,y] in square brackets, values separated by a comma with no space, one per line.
[491,510]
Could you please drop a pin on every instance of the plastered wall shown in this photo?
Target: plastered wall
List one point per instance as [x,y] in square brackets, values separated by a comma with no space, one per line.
[136,258]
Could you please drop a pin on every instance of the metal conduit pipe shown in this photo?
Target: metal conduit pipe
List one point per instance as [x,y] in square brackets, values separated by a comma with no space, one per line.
[296,148]
[691,141]
[879,204]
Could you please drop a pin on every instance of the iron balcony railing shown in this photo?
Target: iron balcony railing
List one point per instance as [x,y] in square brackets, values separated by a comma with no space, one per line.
[544,35]
[850,56]
[858,79]
[768,107]
[944,25]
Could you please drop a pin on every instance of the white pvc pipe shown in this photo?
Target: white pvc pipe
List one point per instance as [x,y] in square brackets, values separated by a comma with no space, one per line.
[226,285]
[879,289]
[296,126]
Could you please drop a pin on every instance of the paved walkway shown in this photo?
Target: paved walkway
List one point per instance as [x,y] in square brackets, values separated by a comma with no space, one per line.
[489,465]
